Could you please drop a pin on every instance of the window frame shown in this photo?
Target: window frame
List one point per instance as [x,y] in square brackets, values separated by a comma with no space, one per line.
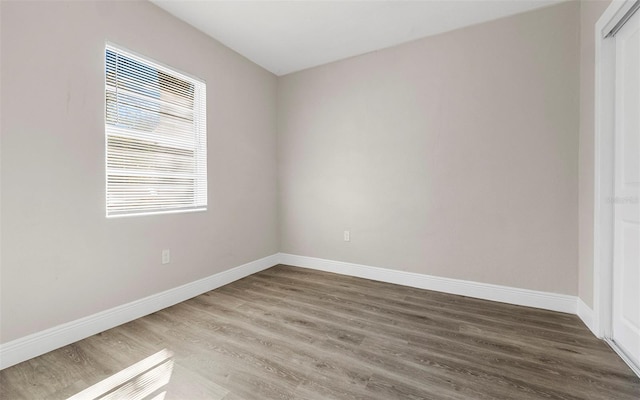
[199,176]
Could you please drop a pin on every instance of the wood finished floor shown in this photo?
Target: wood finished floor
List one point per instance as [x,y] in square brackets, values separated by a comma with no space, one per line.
[293,333]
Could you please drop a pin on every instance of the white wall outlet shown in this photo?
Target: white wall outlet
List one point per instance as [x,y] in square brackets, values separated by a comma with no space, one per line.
[166,256]
[347,236]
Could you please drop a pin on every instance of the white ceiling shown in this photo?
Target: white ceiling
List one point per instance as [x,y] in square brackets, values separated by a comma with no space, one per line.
[289,36]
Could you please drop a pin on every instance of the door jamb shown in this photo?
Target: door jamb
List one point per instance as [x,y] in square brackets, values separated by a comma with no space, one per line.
[604,166]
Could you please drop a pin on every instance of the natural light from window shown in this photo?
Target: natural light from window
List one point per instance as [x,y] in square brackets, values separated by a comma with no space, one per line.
[144,380]
[155,137]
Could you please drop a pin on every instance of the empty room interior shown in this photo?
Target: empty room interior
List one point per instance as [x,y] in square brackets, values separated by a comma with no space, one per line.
[320,200]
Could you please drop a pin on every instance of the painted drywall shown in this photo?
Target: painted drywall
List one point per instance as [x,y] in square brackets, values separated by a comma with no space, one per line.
[454,155]
[464,138]
[61,258]
[590,12]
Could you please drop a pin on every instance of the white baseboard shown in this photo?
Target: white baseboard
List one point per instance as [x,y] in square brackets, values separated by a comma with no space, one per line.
[523,297]
[586,315]
[42,342]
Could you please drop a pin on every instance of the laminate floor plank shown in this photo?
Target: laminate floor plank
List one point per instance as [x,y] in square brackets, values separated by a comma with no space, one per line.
[341,307]
[503,321]
[491,371]
[305,357]
[296,333]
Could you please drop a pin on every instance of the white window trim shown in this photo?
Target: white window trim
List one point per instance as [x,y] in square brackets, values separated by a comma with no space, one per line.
[200,146]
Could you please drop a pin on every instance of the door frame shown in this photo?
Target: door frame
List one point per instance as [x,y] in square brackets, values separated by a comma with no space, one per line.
[604,201]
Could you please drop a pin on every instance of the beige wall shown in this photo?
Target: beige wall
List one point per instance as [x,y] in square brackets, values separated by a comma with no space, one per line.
[454,155]
[61,258]
[590,12]
[466,155]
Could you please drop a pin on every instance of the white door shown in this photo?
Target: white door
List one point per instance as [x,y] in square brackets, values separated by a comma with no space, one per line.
[626,241]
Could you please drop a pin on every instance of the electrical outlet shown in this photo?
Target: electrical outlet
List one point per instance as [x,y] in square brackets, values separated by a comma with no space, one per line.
[347,236]
[166,256]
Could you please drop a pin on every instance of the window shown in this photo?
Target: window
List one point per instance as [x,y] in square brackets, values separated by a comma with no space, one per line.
[156,137]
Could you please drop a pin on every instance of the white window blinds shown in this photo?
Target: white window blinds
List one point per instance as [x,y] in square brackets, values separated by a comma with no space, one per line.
[156,137]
